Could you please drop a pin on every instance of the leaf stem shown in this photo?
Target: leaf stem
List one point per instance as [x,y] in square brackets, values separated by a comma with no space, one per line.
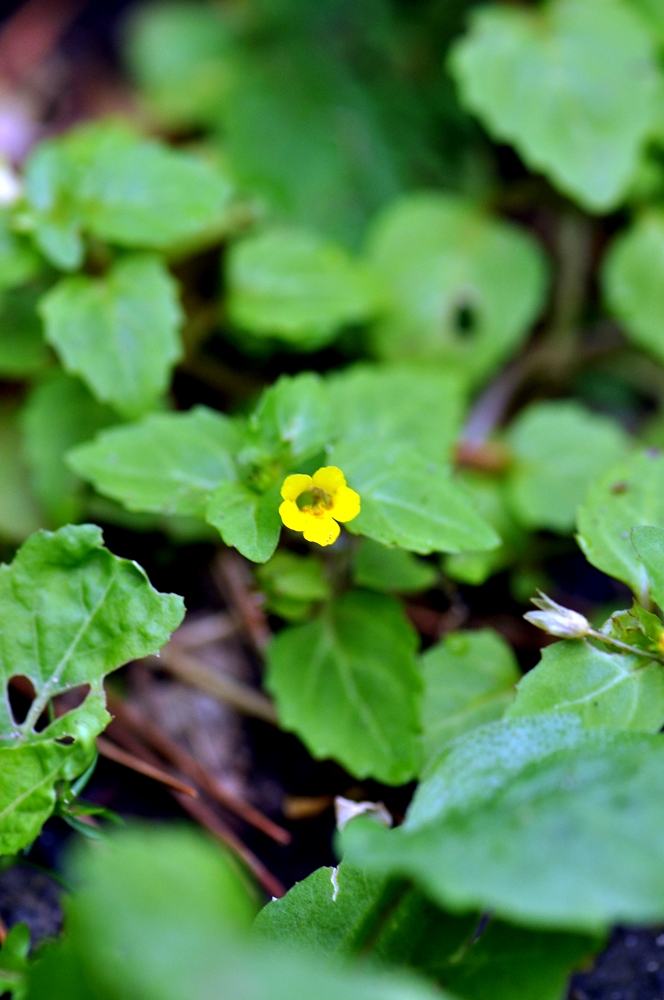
[625,648]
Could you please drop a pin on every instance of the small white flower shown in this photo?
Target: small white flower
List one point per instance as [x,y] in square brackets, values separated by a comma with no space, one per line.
[557,620]
[346,810]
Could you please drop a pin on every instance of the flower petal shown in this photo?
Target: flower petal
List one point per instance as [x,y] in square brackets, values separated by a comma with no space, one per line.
[329,479]
[323,530]
[292,516]
[294,486]
[346,504]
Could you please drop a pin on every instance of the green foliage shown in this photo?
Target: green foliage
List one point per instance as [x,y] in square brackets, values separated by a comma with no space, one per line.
[163,913]
[73,612]
[119,333]
[167,463]
[390,570]
[604,689]
[293,585]
[347,683]
[628,495]
[649,545]
[576,59]
[533,825]
[58,414]
[291,284]
[469,680]
[459,286]
[559,450]
[633,273]
[339,910]
[22,348]
[19,513]
[104,180]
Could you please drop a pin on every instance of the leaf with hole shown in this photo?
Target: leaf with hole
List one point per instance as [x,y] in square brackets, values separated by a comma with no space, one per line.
[459,286]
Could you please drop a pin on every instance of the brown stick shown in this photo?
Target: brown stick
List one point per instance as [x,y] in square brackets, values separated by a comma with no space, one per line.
[202,813]
[232,577]
[114,753]
[192,671]
[209,819]
[134,719]
[204,630]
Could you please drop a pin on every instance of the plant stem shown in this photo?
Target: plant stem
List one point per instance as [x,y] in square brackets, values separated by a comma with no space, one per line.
[625,648]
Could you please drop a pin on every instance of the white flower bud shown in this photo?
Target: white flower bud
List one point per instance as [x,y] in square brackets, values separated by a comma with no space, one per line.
[557,620]
[346,810]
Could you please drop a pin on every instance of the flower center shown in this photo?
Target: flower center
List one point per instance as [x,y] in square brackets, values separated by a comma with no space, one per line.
[314,501]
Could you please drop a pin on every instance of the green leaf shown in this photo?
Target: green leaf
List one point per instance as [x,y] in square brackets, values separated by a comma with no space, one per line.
[628,495]
[291,422]
[22,348]
[292,284]
[293,584]
[411,405]
[577,59]
[176,52]
[246,519]
[632,278]
[168,463]
[488,494]
[18,261]
[331,912]
[636,627]
[19,512]
[391,570]
[335,911]
[133,192]
[58,414]
[348,685]
[649,545]
[459,286]
[119,333]
[615,690]
[537,822]
[410,502]
[163,913]
[559,449]
[469,680]
[73,612]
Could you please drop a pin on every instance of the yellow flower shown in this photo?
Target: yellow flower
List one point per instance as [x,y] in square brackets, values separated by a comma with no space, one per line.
[314,504]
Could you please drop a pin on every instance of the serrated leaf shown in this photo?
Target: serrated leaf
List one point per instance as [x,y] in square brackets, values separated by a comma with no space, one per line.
[246,519]
[459,286]
[628,495]
[72,612]
[414,405]
[337,911]
[632,278]
[469,680]
[615,690]
[488,494]
[649,545]
[58,414]
[22,347]
[348,684]
[559,448]
[590,63]
[390,570]
[292,421]
[293,284]
[151,888]
[412,503]
[168,463]
[120,332]
[553,828]
[138,193]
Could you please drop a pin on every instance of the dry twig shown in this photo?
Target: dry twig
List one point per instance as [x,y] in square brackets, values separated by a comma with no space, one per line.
[109,750]
[233,578]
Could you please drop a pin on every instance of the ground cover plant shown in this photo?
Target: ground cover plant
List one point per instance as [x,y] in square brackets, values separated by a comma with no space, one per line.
[361,304]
